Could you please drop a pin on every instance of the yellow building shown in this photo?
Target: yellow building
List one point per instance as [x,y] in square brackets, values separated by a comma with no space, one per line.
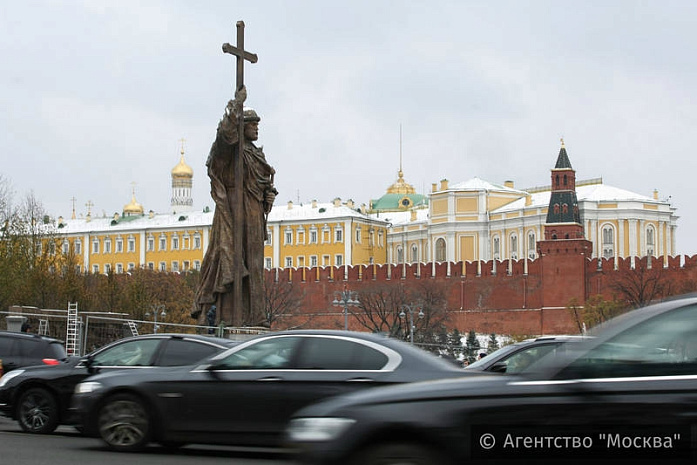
[314,234]
[480,220]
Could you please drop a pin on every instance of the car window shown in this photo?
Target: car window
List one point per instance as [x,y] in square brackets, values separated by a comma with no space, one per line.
[185,352]
[276,352]
[324,353]
[55,350]
[31,348]
[130,353]
[521,360]
[663,345]
[6,345]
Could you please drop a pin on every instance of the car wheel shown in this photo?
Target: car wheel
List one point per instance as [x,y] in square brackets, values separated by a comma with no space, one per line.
[37,411]
[398,454]
[124,424]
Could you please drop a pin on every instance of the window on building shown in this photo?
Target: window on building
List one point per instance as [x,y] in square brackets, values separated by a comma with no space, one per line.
[380,239]
[301,236]
[65,247]
[650,241]
[289,262]
[163,266]
[131,244]
[163,243]
[400,254]
[95,269]
[186,242]
[197,265]
[107,268]
[338,234]
[78,269]
[338,260]
[514,247]
[269,237]
[78,247]
[175,267]
[131,266]
[119,245]
[151,266]
[313,260]
[107,245]
[414,253]
[175,242]
[608,242]
[326,234]
[313,236]
[151,243]
[288,237]
[51,248]
[440,249]
[119,268]
[371,237]
[197,241]
[186,265]
[532,245]
[358,235]
[268,263]
[497,248]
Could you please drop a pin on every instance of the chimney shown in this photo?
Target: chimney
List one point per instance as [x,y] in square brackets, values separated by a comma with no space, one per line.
[290,205]
[444,184]
[509,184]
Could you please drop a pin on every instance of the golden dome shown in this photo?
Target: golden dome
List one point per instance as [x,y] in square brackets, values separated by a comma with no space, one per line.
[401,186]
[182,170]
[133,208]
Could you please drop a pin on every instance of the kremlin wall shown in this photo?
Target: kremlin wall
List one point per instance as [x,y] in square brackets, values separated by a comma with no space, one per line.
[495,296]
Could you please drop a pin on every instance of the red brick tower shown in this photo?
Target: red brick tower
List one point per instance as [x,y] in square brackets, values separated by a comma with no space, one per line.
[564,251]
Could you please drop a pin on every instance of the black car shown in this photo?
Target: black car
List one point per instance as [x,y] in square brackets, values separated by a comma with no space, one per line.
[38,398]
[246,395]
[517,357]
[19,350]
[630,393]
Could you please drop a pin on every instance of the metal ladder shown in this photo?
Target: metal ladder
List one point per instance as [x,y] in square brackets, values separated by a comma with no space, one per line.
[43,327]
[134,328]
[72,339]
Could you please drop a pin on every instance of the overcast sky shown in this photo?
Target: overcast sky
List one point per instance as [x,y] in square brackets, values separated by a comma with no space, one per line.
[95,96]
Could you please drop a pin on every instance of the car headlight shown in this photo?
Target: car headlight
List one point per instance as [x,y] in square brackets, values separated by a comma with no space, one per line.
[12,374]
[87,387]
[318,429]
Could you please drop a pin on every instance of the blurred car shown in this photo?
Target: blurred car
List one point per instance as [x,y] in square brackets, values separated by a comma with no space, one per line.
[19,350]
[627,394]
[38,398]
[246,395]
[517,357]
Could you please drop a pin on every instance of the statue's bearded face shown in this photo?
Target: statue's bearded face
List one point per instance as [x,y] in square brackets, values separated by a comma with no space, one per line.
[251,130]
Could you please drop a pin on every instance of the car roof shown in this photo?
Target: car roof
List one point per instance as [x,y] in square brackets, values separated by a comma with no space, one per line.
[18,334]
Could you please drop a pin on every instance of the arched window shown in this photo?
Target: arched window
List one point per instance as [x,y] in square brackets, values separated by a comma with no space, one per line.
[400,254]
[414,254]
[532,245]
[497,248]
[514,247]
[650,241]
[608,242]
[440,250]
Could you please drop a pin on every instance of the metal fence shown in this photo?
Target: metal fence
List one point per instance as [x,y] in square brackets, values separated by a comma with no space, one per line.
[97,329]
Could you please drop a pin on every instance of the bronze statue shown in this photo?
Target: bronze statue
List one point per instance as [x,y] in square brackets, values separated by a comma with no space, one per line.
[236,248]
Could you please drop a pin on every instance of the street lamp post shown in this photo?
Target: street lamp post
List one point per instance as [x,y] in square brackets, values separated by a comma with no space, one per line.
[160,308]
[345,299]
[411,309]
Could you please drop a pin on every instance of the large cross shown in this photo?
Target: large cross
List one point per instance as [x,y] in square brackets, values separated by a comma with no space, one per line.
[237,207]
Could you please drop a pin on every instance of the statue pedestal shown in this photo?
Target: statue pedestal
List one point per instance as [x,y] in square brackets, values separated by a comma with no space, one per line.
[15,322]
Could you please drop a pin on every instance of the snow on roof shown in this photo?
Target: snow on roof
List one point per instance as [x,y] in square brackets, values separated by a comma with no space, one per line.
[478,184]
[589,193]
[402,217]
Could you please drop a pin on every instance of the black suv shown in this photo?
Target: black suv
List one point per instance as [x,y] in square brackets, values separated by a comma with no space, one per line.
[18,350]
[39,397]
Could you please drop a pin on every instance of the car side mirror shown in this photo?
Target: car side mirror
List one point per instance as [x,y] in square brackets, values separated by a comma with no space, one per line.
[499,367]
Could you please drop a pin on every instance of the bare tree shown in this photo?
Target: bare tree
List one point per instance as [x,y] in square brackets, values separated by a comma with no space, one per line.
[643,284]
[282,299]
